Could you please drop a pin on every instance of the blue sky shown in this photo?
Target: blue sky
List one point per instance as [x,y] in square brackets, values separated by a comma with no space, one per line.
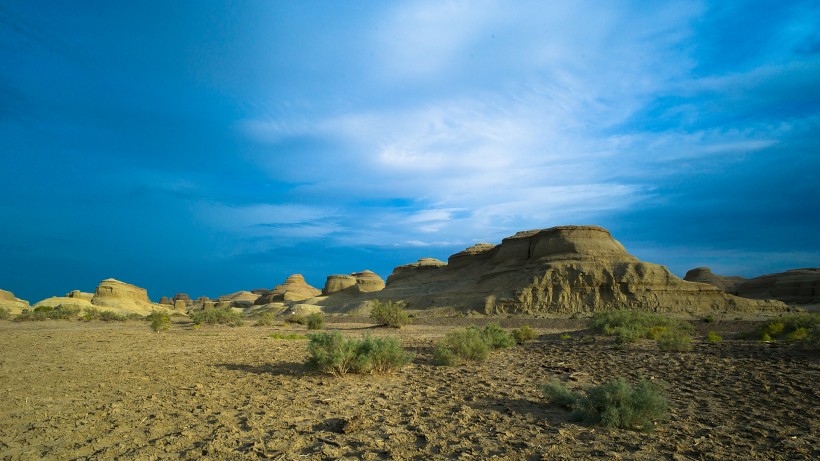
[211,146]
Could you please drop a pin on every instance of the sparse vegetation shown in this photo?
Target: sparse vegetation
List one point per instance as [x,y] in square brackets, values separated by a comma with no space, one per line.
[524,334]
[278,335]
[389,314]
[40,313]
[265,320]
[793,328]
[297,319]
[472,343]
[628,326]
[217,316]
[5,313]
[92,313]
[713,337]
[565,336]
[615,404]
[334,354]
[315,321]
[708,319]
[159,321]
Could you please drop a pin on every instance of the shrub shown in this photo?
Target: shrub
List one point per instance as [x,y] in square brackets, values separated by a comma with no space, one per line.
[801,327]
[5,313]
[713,337]
[565,336]
[133,316]
[389,314]
[618,404]
[615,404]
[332,353]
[159,321]
[214,316]
[629,326]
[265,320]
[47,312]
[708,319]
[467,344]
[556,392]
[496,337]
[297,319]
[315,321]
[524,334]
[675,341]
[110,316]
[444,356]
[89,314]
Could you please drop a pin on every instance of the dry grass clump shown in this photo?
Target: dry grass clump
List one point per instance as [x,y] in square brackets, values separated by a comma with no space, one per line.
[615,404]
[5,313]
[389,314]
[471,344]
[524,334]
[628,326]
[803,328]
[713,337]
[288,336]
[217,316]
[334,354]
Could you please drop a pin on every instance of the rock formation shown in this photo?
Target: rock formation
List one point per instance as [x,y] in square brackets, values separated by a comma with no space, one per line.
[797,286]
[10,302]
[66,302]
[561,271]
[123,297]
[166,300]
[79,294]
[238,300]
[295,288]
[355,283]
[184,298]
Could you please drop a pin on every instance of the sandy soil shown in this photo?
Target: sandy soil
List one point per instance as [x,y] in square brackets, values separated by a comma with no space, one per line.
[74,390]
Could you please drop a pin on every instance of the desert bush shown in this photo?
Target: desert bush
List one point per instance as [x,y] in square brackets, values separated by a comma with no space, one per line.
[159,321]
[297,319]
[40,313]
[389,314]
[708,319]
[467,344]
[675,341]
[713,337]
[89,314]
[556,392]
[799,327]
[110,316]
[565,336]
[5,313]
[217,316]
[444,356]
[524,334]
[615,404]
[134,316]
[496,337]
[265,320]
[332,353]
[315,321]
[628,326]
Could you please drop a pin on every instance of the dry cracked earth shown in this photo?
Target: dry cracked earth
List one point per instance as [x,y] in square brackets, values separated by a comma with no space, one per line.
[83,391]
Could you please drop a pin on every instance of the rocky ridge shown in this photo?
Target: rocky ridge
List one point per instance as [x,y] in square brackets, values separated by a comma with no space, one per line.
[797,286]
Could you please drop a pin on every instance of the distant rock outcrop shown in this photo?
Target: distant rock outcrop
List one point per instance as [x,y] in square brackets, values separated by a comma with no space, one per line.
[184,298]
[295,288]
[166,300]
[238,300]
[10,302]
[561,271]
[355,283]
[123,297]
[80,294]
[797,286]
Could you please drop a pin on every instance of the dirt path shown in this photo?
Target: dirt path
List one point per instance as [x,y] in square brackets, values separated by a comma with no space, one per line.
[77,390]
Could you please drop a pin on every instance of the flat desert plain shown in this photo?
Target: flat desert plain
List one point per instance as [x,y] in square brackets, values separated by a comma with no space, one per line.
[74,390]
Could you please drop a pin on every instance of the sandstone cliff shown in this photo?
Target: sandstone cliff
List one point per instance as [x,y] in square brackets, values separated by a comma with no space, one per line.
[797,286]
[123,297]
[10,302]
[561,271]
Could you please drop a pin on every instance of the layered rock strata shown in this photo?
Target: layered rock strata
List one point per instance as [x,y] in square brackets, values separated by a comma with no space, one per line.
[797,286]
[295,288]
[123,297]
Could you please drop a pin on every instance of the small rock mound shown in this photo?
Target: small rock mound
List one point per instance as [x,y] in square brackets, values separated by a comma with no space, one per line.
[123,297]
[357,282]
[705,275]
[295,288]
[12,303]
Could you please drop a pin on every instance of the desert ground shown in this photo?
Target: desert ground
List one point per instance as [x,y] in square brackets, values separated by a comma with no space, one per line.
[75,390]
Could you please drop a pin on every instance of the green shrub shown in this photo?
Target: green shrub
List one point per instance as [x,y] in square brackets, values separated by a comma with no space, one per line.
[217,316]
[332,353]
[556,392]
[496,337]
[524,334]
[713,337]
[5,313]
[618,404]
[444,356]
[40,313]
[297,319]
[159,321]
[675,341]
[628,326]
[565,336]
[467,344]
[389,314]
[110,316]
[803,328]
[315,321]
[708,319]
[265,320]
[615,404]
[89,314]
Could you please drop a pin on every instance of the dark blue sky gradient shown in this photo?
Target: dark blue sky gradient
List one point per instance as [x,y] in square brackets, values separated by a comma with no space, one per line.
[210,147]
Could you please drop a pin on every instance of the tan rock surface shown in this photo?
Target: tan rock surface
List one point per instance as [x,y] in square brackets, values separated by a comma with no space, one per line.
[561,271]
[295,288]
[338,282]
[65,301]
[12,303]
[797,286]
[123,297]
[79,294]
